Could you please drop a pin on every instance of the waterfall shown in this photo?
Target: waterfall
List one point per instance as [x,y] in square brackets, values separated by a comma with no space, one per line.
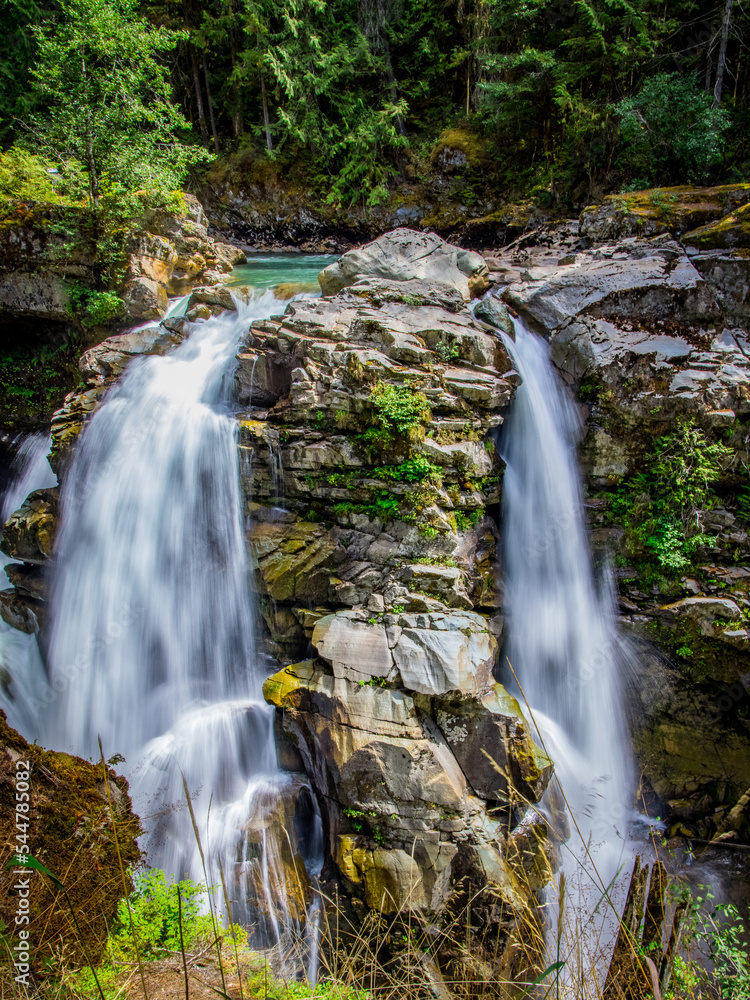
[152,644]
[22,672]
[562,642]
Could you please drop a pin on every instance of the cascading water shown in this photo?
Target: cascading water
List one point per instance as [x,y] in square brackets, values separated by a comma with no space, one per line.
[562,641]
[152,644]
[21,670]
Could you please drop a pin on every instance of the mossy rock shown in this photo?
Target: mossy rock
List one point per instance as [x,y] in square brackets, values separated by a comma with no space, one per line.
[70,831]
[457,148]
[725,234]
[654,211]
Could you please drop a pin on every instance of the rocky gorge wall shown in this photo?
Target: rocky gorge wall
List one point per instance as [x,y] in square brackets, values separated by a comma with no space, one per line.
[367,422]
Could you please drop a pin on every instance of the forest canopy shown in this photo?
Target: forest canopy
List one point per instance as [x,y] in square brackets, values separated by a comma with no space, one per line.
[557,99]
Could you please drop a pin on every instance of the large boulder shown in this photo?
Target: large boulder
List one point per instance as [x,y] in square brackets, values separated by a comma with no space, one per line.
[404,827]
[490,739]
[431,653]
[405,254]
[621,282]
[731,231]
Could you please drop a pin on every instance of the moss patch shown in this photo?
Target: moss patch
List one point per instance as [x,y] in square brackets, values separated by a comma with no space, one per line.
[70,832]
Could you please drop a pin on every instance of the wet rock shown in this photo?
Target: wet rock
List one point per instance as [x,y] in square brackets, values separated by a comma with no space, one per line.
[21,612]
[405,254]
[491,310]
[489,737]
[29,533]
[110,358]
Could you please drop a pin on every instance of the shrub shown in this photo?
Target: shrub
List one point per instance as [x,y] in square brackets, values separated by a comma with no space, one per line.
[669,131]
[661,507]
[399,414]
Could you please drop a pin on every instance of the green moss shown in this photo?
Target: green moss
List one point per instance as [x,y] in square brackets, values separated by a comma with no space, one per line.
[70,832]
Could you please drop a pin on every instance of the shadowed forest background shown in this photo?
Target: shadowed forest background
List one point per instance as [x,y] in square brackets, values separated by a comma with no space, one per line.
[559,102]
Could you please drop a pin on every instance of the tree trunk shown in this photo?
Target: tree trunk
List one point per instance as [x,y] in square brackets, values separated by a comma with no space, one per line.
[237,123]
[266,118]
[210,104]
[722,61]
[198,96]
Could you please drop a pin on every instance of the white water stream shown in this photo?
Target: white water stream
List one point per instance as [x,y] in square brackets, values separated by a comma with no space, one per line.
[152,644]
[22,672]
[563,647]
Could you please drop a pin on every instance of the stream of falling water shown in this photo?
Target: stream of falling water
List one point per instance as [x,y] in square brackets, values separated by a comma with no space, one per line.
[152,644]
[563,646]
[21,669]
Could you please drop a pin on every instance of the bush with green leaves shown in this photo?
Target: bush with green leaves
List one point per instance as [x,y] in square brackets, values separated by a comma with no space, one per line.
[661,507]
[719,932]
[413,470]
[93,308]
[669,131]
[398,416]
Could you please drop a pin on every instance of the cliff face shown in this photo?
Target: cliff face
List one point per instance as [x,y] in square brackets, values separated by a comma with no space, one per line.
[366,429]
[374,431]
[651,336]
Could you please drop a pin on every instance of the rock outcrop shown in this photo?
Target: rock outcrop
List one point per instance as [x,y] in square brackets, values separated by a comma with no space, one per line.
[169,254]
[369,463]
[405,255]
[69,819]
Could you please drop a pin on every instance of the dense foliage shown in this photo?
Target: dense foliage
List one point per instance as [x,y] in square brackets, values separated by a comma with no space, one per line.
[557,98]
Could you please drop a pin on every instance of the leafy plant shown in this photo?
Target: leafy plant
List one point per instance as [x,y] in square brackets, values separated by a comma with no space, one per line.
[661,507]
[669,130]
[107,99]
[399,414]
[413,470]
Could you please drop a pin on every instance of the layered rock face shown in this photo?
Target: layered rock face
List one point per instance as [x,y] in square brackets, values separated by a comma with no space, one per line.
[368,461]
[170,254]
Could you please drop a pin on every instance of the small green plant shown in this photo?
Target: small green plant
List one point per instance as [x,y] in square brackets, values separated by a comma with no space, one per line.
[93,308]
[467,519]
[413,470]
[399,415]
[447,351]
[661,507]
